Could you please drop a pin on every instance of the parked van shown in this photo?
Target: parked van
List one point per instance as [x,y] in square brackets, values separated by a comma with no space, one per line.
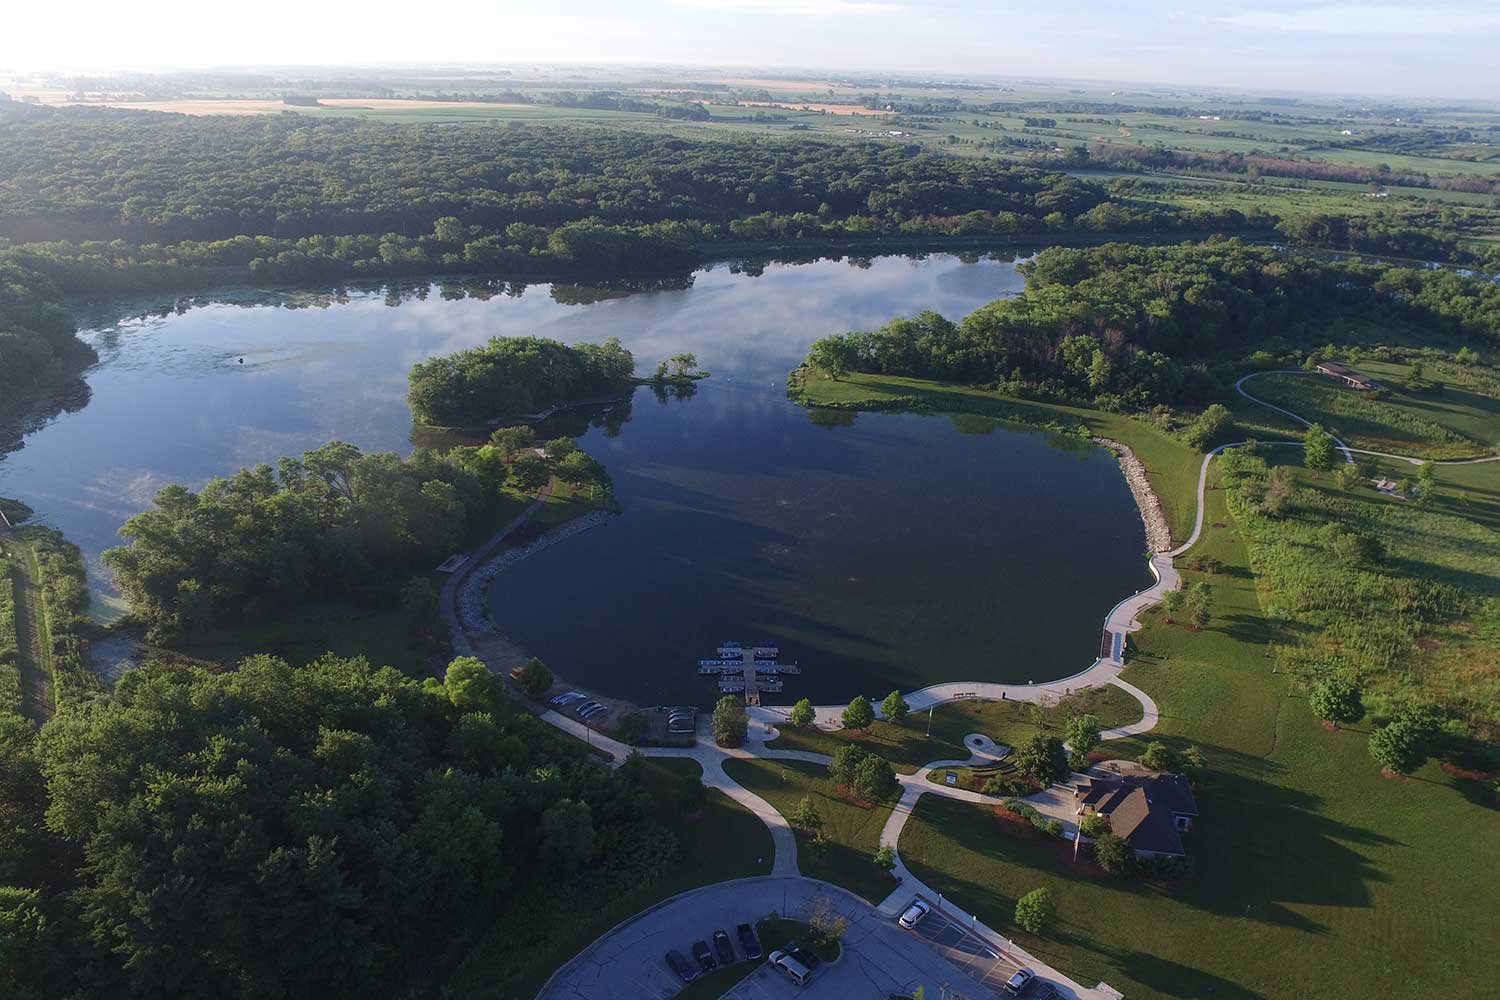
[795,970]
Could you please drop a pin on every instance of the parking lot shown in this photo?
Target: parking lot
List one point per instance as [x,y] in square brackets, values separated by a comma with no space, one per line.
[879,957]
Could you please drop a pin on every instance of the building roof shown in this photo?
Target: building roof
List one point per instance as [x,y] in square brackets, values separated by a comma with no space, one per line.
[1343,371]
[1143,808]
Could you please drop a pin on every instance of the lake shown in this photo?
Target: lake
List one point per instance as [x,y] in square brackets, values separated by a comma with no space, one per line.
[882,550]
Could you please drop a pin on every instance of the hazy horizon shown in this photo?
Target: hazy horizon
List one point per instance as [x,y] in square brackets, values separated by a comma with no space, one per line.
[1388,49]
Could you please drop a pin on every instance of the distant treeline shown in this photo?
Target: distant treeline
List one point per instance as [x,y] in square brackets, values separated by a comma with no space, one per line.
[1128,326]
[514,375]
[213,178]
[1121,156]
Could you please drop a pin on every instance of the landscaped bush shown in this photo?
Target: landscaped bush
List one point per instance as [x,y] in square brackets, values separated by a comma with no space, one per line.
[1044,825]
[1007,785]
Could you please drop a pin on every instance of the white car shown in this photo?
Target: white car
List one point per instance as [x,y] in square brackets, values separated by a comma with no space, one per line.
[914,914]
[1016,985]
[569,698]
[596,710]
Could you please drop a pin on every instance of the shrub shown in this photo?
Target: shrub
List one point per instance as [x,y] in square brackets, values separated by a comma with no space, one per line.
[1398,747]
[730,722]
[1035,911]
[1113,854]
[1043,759]
[805,815]
[894,708]
[885,857]
[1094,826]
[802,714]
[535,678]
[874,778]
[1005,785]
[1338,700]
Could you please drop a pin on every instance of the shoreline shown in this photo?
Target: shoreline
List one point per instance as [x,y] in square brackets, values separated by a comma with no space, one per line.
[1158,532]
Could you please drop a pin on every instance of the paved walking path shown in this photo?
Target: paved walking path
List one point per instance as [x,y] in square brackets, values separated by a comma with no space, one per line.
[1056,802]
[448,597]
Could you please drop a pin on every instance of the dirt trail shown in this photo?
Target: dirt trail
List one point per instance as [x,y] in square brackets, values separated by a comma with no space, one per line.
[31,632]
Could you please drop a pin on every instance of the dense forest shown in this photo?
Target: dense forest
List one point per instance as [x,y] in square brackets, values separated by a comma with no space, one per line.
[151,178]
[327,830]
[335,523]
[37,341]
[512,376]
[1133,326]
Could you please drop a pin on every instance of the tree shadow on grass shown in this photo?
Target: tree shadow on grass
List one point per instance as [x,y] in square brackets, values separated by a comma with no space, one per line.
[1173,979]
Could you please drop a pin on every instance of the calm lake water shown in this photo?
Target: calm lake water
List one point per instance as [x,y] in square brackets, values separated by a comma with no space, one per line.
[883,551]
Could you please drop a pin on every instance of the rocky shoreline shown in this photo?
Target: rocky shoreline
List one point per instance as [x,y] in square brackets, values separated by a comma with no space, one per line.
[1158,532]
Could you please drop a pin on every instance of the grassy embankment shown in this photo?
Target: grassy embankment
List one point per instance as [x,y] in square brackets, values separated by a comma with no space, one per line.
[1309,862]
[852,830]
[544,927]
[1171,466]
[1452,424]
[908,746]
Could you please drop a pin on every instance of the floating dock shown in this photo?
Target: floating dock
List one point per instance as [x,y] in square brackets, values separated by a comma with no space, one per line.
[748,669]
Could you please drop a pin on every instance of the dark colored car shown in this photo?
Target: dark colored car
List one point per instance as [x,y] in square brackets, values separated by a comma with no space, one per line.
[681,966]
[803,955]
[749,944]
[1044,991]
[705,956]
[723,948]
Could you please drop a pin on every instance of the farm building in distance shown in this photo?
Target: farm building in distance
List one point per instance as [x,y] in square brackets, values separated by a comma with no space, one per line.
[1347,375]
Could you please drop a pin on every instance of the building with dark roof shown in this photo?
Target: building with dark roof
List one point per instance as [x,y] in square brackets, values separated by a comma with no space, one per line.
[1148,809]
[1348,376]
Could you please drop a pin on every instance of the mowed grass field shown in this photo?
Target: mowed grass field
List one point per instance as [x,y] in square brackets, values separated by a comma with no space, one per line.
[1452,424]
[1316,876]
[852,830]
[908,746]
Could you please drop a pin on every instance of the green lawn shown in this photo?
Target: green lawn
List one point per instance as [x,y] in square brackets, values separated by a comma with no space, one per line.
[853,830]
[1171,466]
[907,746]
[1315,875]
[1455,423]
[541,933]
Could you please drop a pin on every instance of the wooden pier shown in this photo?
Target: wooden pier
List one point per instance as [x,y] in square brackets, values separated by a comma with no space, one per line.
[748,669]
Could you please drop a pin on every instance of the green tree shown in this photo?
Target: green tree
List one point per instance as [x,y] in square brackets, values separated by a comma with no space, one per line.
[860,715]
[802,714]
[1338,700]
[1094,826]
[730,722]
[567,835]
[894,707]
[535,678]
[885,858]
[1172,603]
[874,778]
[471,686]
[684,364]
[419,603]
[1199,598]
[1035,911]
[805,815]
[1114,854]
[1159,757]
[509,441]
[1043,760]
[530,471]
[845,764]
[1083,738]
[448,230]
[1426,487]
[1398,747]
[833,356]
[1319,453]
[1348,477]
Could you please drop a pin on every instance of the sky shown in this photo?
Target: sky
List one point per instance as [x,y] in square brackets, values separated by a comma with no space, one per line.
[1387,47]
